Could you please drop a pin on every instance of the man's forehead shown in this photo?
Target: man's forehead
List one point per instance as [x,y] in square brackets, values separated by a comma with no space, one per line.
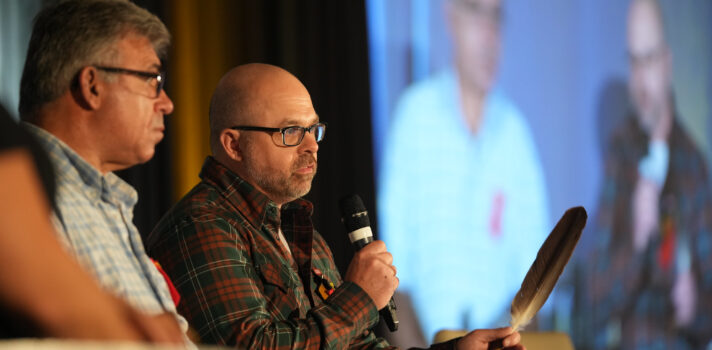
[645,32]
[301,117]
[283,108]
[136,51]
[305,120]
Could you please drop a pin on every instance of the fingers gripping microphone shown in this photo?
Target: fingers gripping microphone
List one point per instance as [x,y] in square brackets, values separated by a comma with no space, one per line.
[355,218]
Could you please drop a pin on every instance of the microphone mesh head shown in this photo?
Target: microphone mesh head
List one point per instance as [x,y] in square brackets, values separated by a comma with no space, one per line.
[350,205]
[353,213]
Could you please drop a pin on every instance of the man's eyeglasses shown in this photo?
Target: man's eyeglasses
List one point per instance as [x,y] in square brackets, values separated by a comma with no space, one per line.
[291,135]
[646,59]
[159,77]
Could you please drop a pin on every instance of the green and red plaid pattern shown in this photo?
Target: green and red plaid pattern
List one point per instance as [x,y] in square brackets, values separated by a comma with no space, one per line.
[628,297]
[220,246]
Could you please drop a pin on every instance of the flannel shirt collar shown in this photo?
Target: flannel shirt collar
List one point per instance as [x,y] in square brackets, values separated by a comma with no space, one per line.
[68,164]
[252,203]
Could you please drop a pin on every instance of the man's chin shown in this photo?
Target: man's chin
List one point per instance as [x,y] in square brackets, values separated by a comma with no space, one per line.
[146,156]
[301,189]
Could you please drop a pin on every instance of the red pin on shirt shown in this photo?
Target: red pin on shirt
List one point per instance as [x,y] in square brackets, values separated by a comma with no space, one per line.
[495,221]
[174,292]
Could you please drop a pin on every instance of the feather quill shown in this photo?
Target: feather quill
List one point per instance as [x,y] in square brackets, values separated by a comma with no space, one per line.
[547,267]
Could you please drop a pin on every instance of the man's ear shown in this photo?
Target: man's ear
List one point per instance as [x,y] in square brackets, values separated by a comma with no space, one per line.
[229,141]
[89,88]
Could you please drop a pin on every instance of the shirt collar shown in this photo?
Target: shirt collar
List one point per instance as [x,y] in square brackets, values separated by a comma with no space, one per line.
[252,203]
[71,166]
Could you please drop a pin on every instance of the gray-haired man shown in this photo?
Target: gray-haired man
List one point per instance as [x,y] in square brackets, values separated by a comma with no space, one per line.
[91,91]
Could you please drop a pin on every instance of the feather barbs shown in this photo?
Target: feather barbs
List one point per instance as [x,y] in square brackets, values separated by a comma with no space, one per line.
[550,261]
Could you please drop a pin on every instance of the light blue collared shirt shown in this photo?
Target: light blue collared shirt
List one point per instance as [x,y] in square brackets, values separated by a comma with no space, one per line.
[94,221]
[463,215]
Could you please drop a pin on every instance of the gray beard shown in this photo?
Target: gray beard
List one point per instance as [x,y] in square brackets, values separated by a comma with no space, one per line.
[284,189]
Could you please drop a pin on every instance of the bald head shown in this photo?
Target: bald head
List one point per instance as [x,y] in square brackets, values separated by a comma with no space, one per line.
[266,98]
[645,24]
[651,67]
[245,95]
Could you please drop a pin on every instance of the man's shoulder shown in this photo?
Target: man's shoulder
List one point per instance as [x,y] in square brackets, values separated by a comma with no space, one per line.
[688,154]
[73,174]
[431,90]
[428,104]
[203,206]
[682,139]
[201,203]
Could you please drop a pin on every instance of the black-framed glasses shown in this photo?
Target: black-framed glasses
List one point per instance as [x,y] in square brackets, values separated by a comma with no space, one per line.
[645,59]
[159,77]
[291,135]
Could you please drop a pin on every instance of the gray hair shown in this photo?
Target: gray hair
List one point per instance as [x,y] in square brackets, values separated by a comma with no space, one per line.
[72,34]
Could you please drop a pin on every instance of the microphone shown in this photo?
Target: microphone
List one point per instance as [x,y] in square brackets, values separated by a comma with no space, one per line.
[355,219]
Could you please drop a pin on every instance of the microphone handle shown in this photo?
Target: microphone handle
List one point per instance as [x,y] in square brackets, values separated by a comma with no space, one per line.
[389,315]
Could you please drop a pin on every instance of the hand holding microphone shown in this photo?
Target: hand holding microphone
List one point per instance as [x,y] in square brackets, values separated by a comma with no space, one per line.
[371,268]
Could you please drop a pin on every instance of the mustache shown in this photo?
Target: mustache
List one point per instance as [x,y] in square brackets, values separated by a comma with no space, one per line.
[304,161]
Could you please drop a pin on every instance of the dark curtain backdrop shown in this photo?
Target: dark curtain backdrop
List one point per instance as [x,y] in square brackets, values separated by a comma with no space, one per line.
[323,43]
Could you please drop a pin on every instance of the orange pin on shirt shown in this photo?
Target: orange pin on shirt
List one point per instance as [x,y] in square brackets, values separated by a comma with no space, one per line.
[324,288]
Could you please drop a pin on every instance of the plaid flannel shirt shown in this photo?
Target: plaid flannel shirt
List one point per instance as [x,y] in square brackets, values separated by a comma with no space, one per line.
[238,285]
[630,295]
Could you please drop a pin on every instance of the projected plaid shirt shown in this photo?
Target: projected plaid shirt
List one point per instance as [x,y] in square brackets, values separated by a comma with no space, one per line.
[238,286]
[631,294]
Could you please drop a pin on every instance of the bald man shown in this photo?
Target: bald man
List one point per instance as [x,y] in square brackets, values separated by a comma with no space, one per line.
[240,246]
[652,268]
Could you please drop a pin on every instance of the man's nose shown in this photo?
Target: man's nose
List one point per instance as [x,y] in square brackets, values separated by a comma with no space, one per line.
[164,103]
[309,143]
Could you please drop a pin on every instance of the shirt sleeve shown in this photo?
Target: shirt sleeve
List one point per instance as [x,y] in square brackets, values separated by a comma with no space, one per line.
[232,300]
[700,247]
